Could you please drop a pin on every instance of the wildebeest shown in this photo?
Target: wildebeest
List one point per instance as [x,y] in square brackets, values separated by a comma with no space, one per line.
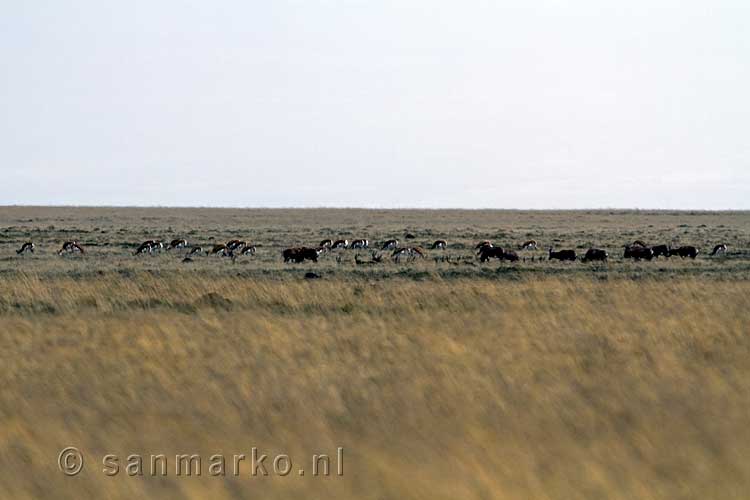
[300,254]
[638,252]
[26,247]
[684,251]
[71,247]
[529,245]
[340,244]
[489,252]
[562,255]
[721,248]
[439,245]
[361,243]
[660,250]
[390,245]
[595,254]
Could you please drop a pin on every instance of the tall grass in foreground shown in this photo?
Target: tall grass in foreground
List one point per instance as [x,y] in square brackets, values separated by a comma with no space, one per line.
[531,389]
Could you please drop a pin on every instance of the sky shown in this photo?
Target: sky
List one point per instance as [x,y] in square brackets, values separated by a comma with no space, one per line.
[388,103]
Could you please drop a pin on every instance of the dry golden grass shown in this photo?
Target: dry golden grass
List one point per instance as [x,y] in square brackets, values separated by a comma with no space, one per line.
[477,389]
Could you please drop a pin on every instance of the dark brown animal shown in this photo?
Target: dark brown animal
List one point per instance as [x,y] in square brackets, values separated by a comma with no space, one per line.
[71,247]
[595,254]
[439,245]
[660,250]
[637,252]
[562,255]
[26,247]
[300,254]
[529,245]
[685,251]
[489,252]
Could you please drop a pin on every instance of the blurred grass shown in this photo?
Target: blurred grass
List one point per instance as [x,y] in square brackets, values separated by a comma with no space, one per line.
[462,388]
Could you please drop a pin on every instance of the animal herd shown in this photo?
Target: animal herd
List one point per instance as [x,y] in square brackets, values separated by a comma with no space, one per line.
[485,250]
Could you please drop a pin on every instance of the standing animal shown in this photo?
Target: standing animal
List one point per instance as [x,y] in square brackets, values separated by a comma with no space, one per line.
[529,245]
[595,254]
[147,246]
[221,250]
[479,246]
[71,247]
[660,250]
[489,252]
[685,251]
[300,254]
[410,253]
[340,244]
[194,250]
[719,249]
[637,252]
[327,243]
[361,243]
[235,245]
[26,247]
[439,245]
[390,245]
[177,244]
[250,250]
[562,255]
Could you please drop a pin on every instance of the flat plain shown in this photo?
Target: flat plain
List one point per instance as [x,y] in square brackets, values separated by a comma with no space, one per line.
[439,378]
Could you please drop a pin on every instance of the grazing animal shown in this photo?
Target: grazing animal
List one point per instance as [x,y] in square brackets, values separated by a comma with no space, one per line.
[221,250]
[147,246]
[250,250]
[187,260]
[177,244]
[361,243]
[340,244]
[684,251]
[409,236]
[595,254]
[71,247]
[488,252]
[312,276]
[660,250]
[485,243]
[300,254]
[510,255]
[327,243]
[410,253]
[562,255]
[195,250]
[439,245]
[390,245]
[639,243]
[26,247]
[637,252]
[234,245]
[718,249]
[529,245]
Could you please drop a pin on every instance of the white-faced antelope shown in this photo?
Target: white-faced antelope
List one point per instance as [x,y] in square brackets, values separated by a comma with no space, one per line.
[482,244]
[221,250]
[360,244]
[177,244]
[327,243]
[194,250]
[340,244]
[390,245]
[26,247]
[529,245]
[410,253]
[439,245]
[149,246]
[236,245]
[719,249]
[71,247]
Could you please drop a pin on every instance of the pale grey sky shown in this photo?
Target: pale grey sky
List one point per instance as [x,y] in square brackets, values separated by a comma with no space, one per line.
[385,103]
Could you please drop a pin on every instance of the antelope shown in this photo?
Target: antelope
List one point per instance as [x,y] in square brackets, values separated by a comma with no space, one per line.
[639,243]
[562,255]
[248,250]
[71,247]
[177,244]
[409,236]
[194,250]
[482,244]
[326,243]
[147,246]
[362,243]
[529,245]
[411,253]
[718,249]
[234,245]
[390,245]
[439,245]
[26,247]
[340,244]
[221,250]
[594,254]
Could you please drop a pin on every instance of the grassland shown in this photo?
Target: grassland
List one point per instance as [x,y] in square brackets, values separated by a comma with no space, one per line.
[534,380]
